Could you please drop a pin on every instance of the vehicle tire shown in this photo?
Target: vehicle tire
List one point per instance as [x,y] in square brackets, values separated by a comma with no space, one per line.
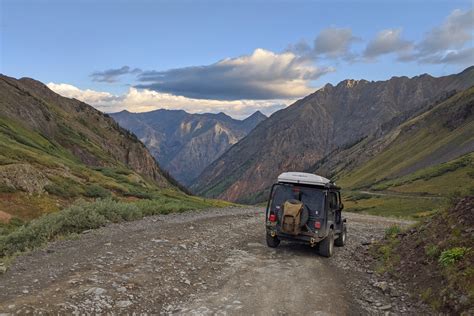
[341,240]
[272,242]
[326,247]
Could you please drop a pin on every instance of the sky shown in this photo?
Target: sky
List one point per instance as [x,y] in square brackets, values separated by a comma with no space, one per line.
[226,56]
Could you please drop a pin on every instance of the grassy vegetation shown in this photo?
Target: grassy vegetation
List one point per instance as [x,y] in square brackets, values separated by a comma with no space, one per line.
[386,252]
[83,215]
[458,173]
[357,196]
[452,255]
[442,273]
[396,206]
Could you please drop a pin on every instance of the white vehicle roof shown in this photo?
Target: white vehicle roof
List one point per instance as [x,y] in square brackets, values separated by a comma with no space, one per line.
[302,177]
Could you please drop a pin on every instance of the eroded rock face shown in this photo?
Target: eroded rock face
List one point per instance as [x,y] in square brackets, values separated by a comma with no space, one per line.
[297,137]
[23,177]
[183,143]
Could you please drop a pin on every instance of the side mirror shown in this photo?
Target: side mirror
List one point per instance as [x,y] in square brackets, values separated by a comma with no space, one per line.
[341,206]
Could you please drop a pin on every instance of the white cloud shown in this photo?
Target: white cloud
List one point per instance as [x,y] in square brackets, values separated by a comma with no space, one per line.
[88,96]
[386,42]
[261,75]
[112,75]
[143,100]
[331,43]
[462,57]
[334,43]
[453,33]
[451,42]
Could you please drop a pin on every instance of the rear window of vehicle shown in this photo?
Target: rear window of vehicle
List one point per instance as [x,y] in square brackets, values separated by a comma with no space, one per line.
[312,198]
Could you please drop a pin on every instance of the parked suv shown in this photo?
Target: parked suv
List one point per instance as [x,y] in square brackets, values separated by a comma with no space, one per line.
[305,208]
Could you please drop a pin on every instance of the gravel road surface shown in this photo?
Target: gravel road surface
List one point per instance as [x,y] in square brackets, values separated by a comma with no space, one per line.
[203,263]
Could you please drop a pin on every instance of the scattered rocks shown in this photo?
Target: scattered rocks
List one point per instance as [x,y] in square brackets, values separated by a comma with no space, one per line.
[382,285]
[122,289]
[123,304]
[376,293]
[385,307]
[96,291]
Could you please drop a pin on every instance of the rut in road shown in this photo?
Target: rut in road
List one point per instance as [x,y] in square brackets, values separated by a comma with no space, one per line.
[205,262]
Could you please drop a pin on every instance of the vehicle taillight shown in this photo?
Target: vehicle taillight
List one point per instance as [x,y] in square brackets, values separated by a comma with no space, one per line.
[272,218]
[317,225]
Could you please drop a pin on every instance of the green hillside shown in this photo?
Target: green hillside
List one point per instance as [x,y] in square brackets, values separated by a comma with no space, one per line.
[417,165]
[55,150]
[44,176]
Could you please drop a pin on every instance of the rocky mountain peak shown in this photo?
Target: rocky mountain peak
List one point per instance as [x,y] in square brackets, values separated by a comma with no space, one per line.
[184,143]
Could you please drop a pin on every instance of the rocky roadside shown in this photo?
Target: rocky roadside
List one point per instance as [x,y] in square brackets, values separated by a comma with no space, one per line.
[164,264]
[146,266]
[377,294]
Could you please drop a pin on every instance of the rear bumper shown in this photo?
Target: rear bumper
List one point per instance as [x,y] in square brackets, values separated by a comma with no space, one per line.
[304,237]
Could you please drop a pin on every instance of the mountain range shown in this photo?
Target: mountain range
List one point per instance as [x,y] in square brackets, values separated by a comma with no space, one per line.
[326,132]
[183,143]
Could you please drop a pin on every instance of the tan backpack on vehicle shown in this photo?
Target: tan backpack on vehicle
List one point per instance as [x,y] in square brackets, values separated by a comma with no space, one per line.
[291,218]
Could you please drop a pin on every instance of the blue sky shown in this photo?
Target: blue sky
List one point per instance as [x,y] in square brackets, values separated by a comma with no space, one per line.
[65,42]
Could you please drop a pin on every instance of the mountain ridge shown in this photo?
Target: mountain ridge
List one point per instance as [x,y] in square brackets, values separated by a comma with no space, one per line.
[303,133]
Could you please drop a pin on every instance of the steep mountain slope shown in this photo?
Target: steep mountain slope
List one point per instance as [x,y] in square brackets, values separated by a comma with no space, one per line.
[54,149]
[410,169]
[415,149]
[184,143]
[335,116]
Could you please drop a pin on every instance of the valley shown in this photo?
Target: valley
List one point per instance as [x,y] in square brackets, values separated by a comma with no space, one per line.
[91,221]
[237,158]
[185,144]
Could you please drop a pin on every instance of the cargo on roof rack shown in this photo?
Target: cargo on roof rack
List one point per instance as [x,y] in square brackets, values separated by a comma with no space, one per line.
[305,178]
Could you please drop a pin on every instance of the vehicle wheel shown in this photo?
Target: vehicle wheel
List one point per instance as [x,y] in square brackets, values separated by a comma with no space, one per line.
[326,247]
[341,240]
[272,242]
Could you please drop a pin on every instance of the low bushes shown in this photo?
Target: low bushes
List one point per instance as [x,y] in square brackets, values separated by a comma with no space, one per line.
[450,256]
[96,191]
[89,215]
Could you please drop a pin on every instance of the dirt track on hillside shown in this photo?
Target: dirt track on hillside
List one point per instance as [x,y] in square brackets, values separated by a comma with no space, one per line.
[207,262]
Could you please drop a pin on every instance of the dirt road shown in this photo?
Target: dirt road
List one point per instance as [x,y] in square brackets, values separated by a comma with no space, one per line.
[206,262]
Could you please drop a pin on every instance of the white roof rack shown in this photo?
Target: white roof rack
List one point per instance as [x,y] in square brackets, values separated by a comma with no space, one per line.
[302,177]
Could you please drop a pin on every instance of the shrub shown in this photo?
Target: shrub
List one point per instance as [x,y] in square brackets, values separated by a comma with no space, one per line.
[454,197]
[141,194]
[6,189]
[57,190]
[432,251]
[392,231]
[96,191]
[356,196]
[450,256]
[64,187]
[89,215]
